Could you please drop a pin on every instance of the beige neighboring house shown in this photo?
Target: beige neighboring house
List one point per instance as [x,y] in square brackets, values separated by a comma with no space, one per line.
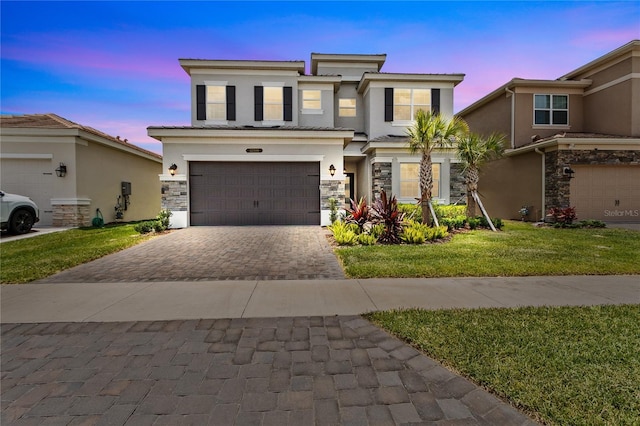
[71,170]
[574,141]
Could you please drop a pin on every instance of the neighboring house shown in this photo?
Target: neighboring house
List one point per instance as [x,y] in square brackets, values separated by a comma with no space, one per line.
[269,144]
[573,142]
[71,170]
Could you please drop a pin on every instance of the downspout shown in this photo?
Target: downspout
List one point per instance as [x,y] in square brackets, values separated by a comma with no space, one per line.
[513,119]
[537,150]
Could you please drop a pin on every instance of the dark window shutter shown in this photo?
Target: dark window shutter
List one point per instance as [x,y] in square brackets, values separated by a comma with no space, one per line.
[231,103]
[435,101]
[287,96]
[258,98]
[388,104]
[201,102]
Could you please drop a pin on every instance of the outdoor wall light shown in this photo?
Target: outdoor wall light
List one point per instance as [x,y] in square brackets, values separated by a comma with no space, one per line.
[332,170]
[172,169]
[568,172]
[61,171]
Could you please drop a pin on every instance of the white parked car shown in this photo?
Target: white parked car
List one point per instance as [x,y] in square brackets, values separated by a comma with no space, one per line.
[18,213]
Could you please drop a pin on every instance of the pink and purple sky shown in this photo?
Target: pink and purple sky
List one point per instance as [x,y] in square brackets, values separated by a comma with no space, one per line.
[114,65]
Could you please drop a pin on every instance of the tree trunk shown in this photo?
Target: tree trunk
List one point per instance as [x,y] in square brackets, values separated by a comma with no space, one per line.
[471,179]
[426,186]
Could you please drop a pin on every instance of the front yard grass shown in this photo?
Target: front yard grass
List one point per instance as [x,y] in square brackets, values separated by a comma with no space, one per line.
[34,258]
[520,249]
[561,365]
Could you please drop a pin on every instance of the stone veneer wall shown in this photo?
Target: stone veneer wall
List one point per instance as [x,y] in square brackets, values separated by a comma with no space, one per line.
[457,187]
[71,215]
[331,189]
[557,187]
[174,195]
[380,178]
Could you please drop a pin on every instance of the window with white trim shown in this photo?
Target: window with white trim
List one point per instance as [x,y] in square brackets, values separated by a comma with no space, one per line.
[551,109]
[410,180]
[272,102]
[347,107]
[216,102]
[407,102]
[311,100]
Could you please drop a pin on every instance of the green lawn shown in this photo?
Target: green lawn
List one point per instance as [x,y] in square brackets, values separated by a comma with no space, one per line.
[33,258]
[563,365]
[520,249]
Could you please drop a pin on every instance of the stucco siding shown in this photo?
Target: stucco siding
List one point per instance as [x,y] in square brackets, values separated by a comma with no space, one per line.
[244,94]
[348,90]
[492,117]
[609,111]
[100,171]
[508,184]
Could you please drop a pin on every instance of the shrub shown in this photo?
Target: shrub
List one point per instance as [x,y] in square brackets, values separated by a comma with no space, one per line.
[387,213]
[333,210]
[482,221]
[411,211]
[367,239]
[345,237]
[359,213]
[436,233]
[163,218]
[473,222]
[376,230]
[562,216]
[590,223]
[144,227]
[454,222]
[450,210]
[412,235]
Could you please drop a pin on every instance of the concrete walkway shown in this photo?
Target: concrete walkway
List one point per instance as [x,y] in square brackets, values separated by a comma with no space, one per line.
[152,301]
[252,352]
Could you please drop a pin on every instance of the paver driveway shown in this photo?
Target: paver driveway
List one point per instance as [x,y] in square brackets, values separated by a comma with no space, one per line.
[217,253]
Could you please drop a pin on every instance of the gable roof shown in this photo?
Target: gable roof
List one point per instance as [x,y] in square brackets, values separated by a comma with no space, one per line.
[55,122]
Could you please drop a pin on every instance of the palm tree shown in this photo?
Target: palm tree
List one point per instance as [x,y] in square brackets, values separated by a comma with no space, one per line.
[430,131]
[474,151]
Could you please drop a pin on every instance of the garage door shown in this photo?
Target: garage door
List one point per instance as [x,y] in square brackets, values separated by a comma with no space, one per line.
[32,178]
[607,193]
[254,193]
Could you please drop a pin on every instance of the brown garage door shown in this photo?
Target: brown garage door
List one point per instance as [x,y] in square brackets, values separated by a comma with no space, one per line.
[607,193]
[254,193]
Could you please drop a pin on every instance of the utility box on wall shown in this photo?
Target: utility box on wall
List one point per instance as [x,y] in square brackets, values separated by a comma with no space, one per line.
[126,188]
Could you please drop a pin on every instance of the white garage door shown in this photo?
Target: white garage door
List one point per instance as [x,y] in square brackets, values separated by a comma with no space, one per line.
[32,178]
[607,193]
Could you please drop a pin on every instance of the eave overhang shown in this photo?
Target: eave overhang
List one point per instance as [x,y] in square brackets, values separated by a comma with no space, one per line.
[335,80]
[564,143]
[376,60]
[277,133]
[368,77]
[189,65]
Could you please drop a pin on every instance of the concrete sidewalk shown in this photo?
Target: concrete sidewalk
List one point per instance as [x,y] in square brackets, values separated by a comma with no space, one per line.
[153,301]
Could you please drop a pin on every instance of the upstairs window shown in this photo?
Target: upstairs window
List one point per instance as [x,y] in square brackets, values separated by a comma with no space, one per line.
[311,100]
[216,103]
[551,109]
[407,102]
[273,104]
[347,107]
[401,105]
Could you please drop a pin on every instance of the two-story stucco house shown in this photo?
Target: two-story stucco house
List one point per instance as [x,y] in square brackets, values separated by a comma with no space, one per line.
[271,144]
[573,142]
